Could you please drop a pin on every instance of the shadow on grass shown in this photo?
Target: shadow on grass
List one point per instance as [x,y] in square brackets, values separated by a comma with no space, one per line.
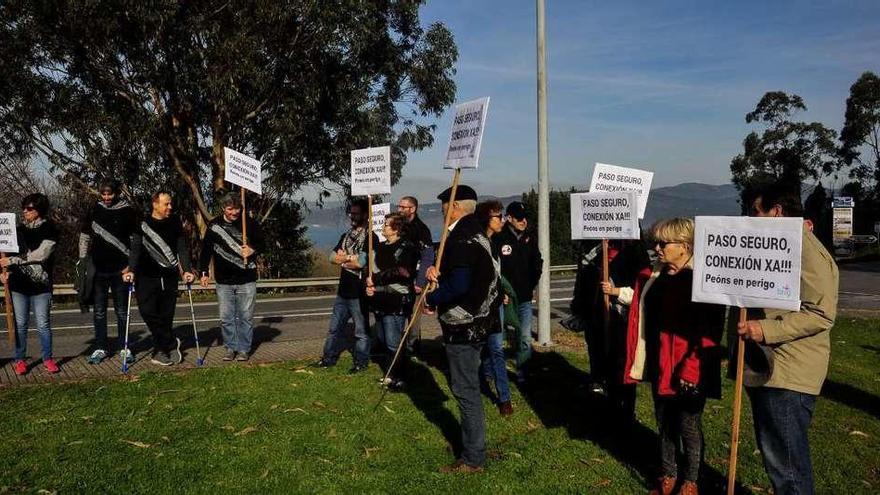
[850,396]
[557,394]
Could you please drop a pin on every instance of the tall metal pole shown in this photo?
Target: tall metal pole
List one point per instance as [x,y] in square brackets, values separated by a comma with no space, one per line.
[543,185]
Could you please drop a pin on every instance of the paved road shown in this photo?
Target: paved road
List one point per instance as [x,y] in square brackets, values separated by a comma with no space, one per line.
[299,323]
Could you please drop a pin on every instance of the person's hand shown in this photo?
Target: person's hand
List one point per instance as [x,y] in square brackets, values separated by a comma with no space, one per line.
[247,251]
[371,291]
[188,277]
[417,288]
[4,277]
[608,289]
[432,274]
[4,262]
[686,386]
[340,257]
[204,281]
[128,277]
[506,299]
[427,310]
[751,330]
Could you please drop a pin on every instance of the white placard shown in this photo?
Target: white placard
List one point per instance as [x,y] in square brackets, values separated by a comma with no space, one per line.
[379,212]
[243,171]
[371,171]
[604,216]
[466,136]
[612,178]
[8,235]
[748,262]
[841,224]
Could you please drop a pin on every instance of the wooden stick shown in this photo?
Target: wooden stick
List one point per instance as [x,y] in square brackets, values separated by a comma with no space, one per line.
[417,309]
[606,306]
[243,223]
[737,407]
[10,311]
[369,235]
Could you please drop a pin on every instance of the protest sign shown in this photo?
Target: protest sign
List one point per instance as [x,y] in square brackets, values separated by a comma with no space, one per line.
[748,262]
[378,220]
[243,171]
[604,216]
[466,136]
[8,236]
[371,171]
[612,178]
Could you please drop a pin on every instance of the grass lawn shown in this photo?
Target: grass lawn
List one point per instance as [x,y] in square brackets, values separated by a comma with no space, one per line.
[285,428]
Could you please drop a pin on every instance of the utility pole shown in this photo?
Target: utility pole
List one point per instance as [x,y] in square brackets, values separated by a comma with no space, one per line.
[543,184]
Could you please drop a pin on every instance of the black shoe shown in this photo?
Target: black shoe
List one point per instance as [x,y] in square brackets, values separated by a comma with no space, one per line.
[162,359]
[323,363]
[229,356]
[357,368]
[397,385]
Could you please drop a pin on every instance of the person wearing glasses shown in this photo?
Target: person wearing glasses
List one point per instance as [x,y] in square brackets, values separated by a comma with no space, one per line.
[420,234]
[105,242]
[29,278]
[675,344]
[390,290]
[158,254]
[350,254]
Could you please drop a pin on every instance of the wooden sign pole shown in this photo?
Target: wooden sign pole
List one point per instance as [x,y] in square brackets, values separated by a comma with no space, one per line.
[737,407]
[243,222]
[369,235]
[10,311]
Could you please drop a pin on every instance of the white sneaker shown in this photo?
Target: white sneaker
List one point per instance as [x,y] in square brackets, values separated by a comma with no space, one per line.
[126,356]
[97,356]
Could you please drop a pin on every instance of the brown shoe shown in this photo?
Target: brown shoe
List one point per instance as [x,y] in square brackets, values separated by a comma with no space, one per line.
[689,488]
[665,485]
[505,408]
[460,466]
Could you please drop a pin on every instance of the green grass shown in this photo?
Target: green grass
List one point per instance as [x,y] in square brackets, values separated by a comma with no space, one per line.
[283,428]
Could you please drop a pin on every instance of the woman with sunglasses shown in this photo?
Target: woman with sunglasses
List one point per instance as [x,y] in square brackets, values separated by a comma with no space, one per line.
[29,277]
[674,343]
[390,289]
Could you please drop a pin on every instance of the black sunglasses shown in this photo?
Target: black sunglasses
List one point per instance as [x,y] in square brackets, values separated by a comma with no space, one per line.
[663,244]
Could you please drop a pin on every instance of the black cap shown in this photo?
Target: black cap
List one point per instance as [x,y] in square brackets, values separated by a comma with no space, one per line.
[461,194]
[517,210]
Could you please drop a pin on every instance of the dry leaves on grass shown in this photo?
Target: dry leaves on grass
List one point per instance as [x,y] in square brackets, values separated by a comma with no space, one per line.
[318,403]
[331,433]
[368,451]
[249,429]
[531,426]
[296,409]
[303,370]
[134,443]
[387,408]
[857,433]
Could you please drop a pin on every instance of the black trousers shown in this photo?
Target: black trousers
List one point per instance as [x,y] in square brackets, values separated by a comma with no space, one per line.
[157,298]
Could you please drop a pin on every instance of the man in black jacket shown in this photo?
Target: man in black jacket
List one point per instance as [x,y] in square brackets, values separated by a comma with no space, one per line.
[235,271]
[521,265]
[158,253]
[420,234]
[466,299]
[105,239]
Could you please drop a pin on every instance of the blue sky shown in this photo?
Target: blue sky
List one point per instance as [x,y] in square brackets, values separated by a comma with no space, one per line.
[662,86]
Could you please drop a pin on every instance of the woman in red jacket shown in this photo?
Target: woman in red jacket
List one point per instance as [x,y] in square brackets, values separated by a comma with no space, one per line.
[674,343]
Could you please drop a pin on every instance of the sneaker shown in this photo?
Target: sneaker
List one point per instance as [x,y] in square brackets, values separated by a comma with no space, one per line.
[357,368]
[51,366]
[162,359]
[397,385]
[460,466]
[325,363]
[242,356]
[20,367]
[597,388]
[97,356]
[126,355]
[229,356]
[176,354]
[505,408]
[665,486]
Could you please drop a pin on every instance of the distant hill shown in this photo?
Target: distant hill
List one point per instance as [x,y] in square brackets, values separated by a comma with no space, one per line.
[688,199]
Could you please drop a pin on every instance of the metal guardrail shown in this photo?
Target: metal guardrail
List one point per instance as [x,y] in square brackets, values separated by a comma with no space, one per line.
[278,283]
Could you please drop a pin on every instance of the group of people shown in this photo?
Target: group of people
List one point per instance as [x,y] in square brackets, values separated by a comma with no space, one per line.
[652,332]
[123,252]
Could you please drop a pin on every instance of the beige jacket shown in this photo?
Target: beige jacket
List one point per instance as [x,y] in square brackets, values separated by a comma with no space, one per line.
[797,344]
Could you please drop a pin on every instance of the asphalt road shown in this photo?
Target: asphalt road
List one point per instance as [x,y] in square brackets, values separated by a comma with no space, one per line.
[304,319]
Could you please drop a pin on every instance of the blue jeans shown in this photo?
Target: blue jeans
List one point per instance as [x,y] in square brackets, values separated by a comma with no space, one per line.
[464,380]
[343,309]
[782,418]
[22,304]
[389,329]
[237,315]
[493,366]
[104,284]
[524,344]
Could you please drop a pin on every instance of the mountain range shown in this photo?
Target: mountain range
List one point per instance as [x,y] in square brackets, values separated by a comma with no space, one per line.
[687,199]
